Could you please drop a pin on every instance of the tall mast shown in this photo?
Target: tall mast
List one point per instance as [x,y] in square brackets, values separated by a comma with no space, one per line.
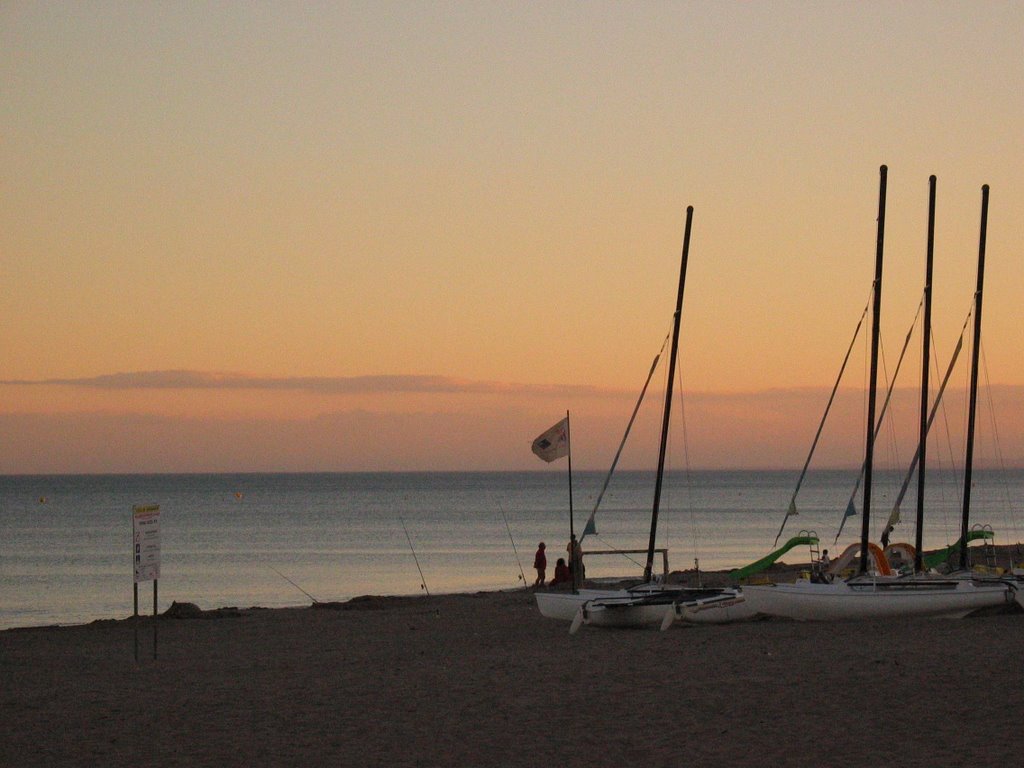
[968,462]
[876,312]
[668,397]
[925,362]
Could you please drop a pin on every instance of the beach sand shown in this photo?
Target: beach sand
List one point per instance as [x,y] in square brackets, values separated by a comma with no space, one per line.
[484,680]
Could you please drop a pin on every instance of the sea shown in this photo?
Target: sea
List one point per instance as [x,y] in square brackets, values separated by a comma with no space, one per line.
[242,540]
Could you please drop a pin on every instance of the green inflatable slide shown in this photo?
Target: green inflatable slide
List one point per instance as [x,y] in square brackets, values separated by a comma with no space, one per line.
[767,560]
[942,555]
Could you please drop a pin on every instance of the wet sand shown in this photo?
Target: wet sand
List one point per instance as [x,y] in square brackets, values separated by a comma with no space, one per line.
[484,680]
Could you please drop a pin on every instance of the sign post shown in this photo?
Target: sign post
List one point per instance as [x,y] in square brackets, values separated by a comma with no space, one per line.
[146,544]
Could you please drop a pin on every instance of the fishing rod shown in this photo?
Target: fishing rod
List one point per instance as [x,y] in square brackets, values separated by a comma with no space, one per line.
[292,583]
[522,575]
[423,581]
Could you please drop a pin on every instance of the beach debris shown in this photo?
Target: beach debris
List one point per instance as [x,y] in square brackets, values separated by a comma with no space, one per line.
[183,611]
[193,611]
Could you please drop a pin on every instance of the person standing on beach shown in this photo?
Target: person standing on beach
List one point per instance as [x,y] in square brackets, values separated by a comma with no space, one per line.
[540,563]
[575,561]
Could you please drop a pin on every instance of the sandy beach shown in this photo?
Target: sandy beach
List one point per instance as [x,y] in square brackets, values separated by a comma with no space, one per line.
[483,679]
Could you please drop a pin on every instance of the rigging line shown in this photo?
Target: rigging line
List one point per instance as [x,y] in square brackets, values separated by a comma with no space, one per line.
[689,478]
[618,550]
[423,582]
[890,388]
[893,442]
[998,445]
[791,510]
[865,372]
[890,431]
[948,442]
[952,467]
[590,520]
[292,583]
[668,488]
[894,515]
[991,409]
[958,478]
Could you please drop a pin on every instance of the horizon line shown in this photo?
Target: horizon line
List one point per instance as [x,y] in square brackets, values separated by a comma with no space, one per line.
[363,384]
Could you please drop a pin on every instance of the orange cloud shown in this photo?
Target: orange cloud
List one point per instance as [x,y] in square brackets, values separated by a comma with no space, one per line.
[433,423]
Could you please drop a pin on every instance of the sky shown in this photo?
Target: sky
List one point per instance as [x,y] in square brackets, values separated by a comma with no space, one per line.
[280,236]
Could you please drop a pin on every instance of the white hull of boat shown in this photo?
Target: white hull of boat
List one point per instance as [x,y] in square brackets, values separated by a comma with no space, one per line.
[565,605]
[626,613]
[644,607]
[726,609]
[807,601]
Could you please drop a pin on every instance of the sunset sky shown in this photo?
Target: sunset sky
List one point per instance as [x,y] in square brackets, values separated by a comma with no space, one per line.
[412,235]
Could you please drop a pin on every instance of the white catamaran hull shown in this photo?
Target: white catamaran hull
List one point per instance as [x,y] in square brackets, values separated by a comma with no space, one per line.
[628,613]
[644,607]
[807,601]
[565,605]
[729,607]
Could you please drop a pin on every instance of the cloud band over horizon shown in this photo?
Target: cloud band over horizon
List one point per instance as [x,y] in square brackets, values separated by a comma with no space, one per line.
[380,384]
[423,423]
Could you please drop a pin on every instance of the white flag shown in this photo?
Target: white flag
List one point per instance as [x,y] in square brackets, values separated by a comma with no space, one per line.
[553,444]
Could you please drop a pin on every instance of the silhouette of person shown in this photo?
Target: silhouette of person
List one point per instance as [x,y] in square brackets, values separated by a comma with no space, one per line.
[823,565]
[540,563]
[576,560]
[562,575]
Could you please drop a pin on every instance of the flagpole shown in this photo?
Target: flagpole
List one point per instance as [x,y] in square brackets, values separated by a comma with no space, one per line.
[572,529]
[552,444]
[568,439]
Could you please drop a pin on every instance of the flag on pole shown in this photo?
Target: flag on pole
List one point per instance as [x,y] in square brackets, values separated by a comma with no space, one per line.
[554,443]
[851,511]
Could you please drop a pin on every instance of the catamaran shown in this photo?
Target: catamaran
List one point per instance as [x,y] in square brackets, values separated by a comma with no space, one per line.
[649,603]
[871,593]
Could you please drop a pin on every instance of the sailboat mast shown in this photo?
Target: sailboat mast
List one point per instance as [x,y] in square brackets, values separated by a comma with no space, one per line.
[925,363]
[975,353]
[648,568]
[876,312]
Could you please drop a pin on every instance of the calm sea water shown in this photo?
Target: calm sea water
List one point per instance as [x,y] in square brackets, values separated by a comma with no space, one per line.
[66,557]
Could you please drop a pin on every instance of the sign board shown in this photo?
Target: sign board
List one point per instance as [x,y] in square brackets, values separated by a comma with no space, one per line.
[146,536]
